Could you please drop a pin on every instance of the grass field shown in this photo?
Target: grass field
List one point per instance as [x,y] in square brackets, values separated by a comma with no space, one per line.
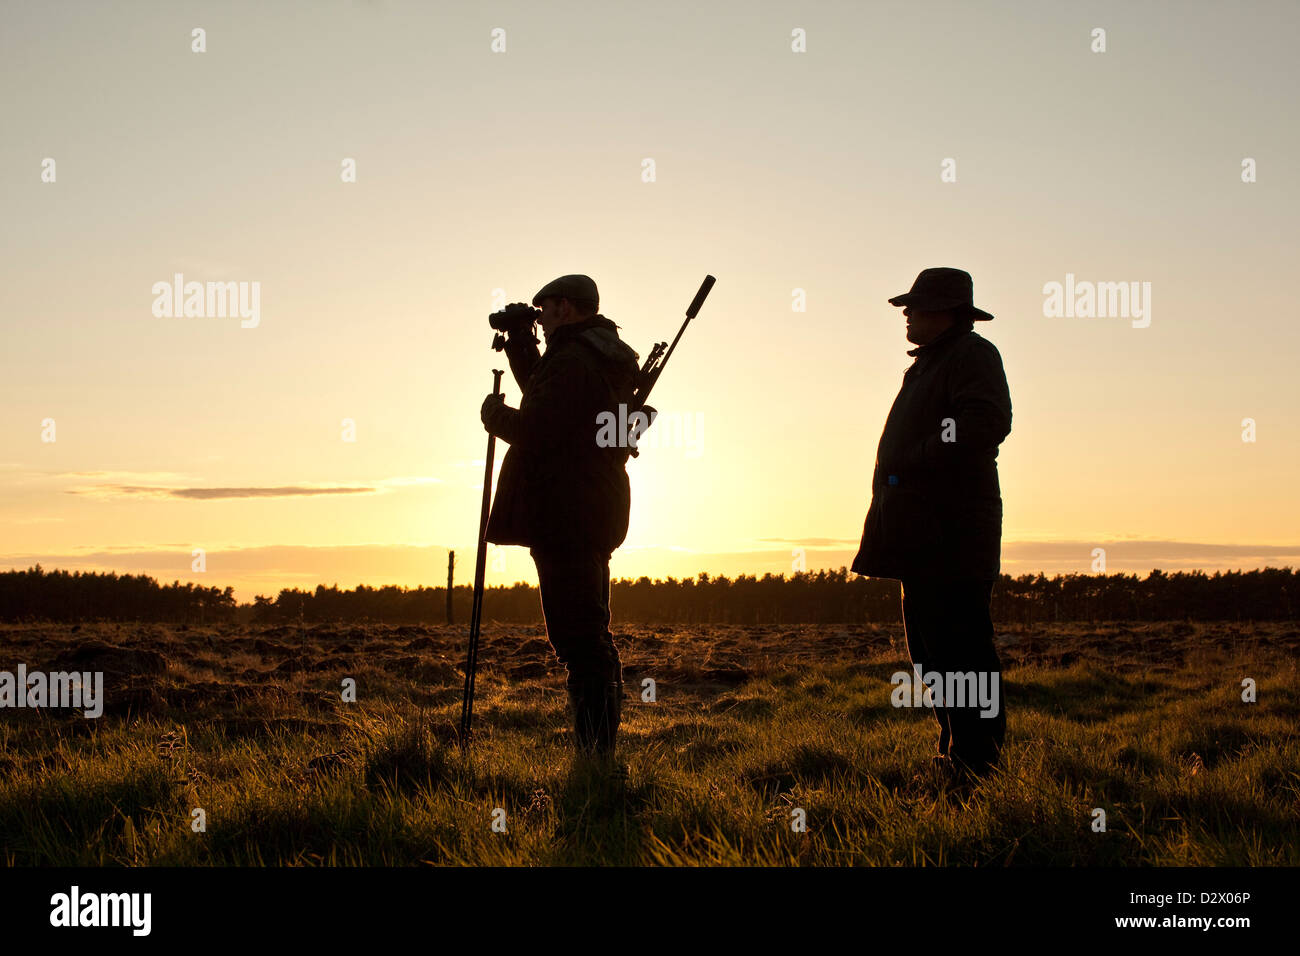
[750,723]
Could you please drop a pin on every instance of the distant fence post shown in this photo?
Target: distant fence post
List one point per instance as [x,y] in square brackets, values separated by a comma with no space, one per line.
[451,568]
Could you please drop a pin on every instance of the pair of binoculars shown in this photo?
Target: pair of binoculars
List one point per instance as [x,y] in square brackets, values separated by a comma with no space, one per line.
[514,318]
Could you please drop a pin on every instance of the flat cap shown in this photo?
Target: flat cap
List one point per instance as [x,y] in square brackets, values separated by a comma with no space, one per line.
[576,287]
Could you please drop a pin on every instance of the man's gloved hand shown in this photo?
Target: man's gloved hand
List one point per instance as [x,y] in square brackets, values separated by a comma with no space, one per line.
[490,408]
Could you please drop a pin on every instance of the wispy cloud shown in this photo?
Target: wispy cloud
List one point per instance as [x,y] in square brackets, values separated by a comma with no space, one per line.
[144,491]
[247,491]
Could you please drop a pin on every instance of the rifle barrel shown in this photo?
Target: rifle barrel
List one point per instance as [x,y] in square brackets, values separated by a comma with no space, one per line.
[691,312]
[700,296]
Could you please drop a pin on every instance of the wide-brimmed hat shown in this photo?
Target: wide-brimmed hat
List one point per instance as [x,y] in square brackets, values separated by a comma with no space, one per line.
[942,288]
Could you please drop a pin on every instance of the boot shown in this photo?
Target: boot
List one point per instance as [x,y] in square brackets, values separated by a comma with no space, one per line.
[596,709]
[582,736]
[611,703]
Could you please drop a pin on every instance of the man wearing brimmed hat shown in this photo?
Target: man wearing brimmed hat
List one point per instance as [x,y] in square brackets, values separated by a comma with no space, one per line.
[935,520]
[565,496]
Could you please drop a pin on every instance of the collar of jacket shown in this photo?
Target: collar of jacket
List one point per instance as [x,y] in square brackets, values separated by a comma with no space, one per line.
[950,335]
[577,328]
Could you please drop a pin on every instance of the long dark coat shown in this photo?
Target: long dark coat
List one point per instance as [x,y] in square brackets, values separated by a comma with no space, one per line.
[936,506]
[559,490]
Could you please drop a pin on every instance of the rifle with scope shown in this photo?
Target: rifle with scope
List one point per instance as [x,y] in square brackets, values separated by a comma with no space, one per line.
[654,367]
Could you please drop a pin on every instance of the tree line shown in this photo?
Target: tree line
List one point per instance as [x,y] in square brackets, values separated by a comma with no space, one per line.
[37,594]
[821,597]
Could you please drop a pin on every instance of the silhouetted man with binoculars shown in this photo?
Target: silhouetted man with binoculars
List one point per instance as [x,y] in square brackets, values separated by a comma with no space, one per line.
[561,493]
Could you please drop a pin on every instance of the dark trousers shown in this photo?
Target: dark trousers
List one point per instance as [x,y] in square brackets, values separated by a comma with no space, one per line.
[575,602]
[949,630]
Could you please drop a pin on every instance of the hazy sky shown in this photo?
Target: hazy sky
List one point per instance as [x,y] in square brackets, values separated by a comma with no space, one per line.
[774,170]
